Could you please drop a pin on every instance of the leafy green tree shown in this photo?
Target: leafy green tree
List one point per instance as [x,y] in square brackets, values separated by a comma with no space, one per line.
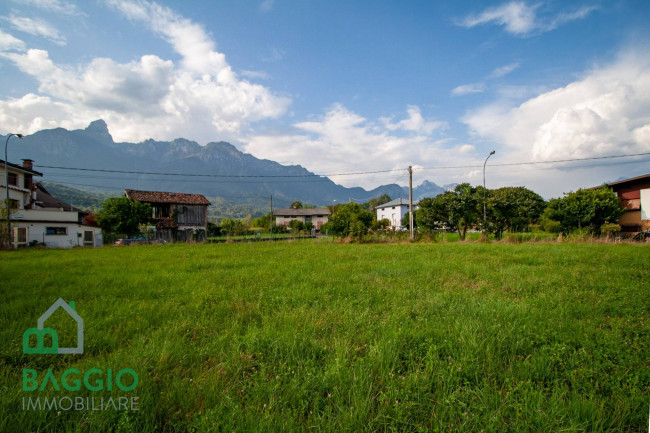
[381,224]
[309,226]
[263,221]
[510,209]
[296,225]
[456,210]
[123,215]
[377,201]
[296,205]
[406,220]
[228,225]
[585,209]
[346,218]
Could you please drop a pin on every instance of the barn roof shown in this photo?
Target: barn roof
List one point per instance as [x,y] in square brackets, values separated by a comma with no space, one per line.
[166,197]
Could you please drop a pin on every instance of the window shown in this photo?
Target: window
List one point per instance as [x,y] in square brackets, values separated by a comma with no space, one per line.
[393,207]
[27,183]
[13,179]
[13,204]
[56,230]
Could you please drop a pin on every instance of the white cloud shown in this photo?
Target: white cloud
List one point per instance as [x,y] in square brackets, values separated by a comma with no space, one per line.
[36,27]
[504,70]
[9,42]
[58,6]
[200,98]
[467,89]
[521,19]
[414,123]
[606,112]
[342,140]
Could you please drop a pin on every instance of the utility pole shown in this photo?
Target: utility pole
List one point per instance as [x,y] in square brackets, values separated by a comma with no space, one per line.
[271,218]
[484,194]
[411,201]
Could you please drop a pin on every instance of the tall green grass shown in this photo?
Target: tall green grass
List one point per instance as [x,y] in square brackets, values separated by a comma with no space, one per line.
[332,337]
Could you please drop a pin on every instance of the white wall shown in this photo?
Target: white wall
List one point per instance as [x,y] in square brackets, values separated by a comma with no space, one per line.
[72,238]
[645,204]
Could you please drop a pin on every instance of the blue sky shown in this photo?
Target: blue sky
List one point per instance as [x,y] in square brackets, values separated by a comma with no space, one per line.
[347,86]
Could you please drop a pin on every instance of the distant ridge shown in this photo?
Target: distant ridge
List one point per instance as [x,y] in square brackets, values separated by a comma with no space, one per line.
[93,147]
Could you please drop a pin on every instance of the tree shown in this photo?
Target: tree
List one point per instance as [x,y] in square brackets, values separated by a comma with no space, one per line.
[510,209]
[585,209]
[296,205]
[296,225]
[406,220]
[456,210]
[378,201]
[228,225]
[350,217]
[263,221]
[123,215]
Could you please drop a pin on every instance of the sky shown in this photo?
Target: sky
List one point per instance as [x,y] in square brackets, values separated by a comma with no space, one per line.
[342,86]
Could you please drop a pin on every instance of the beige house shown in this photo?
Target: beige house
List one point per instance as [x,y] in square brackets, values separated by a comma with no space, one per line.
[317,216]
[634,194]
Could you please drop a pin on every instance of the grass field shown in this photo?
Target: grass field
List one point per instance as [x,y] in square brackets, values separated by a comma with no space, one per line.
[316,336]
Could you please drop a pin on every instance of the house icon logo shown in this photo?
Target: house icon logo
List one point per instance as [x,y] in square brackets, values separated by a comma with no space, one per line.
[40,332]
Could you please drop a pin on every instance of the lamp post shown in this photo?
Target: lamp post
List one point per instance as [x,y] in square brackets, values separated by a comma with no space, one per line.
[485,191]
[7,188]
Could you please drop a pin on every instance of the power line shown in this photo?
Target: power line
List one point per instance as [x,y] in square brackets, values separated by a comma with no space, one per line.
[535,162]
[147,173]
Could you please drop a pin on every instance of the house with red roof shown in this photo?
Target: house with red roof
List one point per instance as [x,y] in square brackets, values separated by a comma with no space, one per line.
[179,217]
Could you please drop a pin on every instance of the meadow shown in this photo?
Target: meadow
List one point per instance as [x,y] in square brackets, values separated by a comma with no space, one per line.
[322,336]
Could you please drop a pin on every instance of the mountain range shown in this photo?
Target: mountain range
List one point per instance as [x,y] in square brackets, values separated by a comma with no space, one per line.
[211,169]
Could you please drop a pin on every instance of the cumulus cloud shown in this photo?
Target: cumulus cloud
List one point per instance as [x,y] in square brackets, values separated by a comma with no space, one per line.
[341,139]
[151,97]
[467,89]
[521,19]
[606,112]
[414,122]
[36,27]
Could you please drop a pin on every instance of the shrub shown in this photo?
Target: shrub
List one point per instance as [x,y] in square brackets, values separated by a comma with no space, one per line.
[610,229]
[551,226]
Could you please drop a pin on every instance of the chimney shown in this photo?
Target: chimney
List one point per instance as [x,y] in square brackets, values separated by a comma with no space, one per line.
[27,163]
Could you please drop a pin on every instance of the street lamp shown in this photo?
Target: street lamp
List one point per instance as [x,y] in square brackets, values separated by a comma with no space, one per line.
[485,191]
[7,188]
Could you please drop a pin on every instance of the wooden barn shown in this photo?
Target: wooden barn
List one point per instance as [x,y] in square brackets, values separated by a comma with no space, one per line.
[178,217]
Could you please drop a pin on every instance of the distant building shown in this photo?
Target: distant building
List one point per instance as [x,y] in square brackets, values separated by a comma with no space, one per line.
[39,218]
[394,211]
[634,194]
[179,217]
[317,216]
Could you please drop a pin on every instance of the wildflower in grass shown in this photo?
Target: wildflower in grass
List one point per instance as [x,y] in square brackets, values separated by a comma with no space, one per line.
[539,411]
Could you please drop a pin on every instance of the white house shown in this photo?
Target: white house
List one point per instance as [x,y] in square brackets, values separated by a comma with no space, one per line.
[394,211]
[39,218]
[317,216]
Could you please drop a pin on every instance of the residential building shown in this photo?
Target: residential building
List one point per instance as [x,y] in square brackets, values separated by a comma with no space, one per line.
[634,194]
[316,216]
[394,211]
[39,218]
[179,217]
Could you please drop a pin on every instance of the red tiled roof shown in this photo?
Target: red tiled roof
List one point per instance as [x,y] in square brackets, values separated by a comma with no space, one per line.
[165,197]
